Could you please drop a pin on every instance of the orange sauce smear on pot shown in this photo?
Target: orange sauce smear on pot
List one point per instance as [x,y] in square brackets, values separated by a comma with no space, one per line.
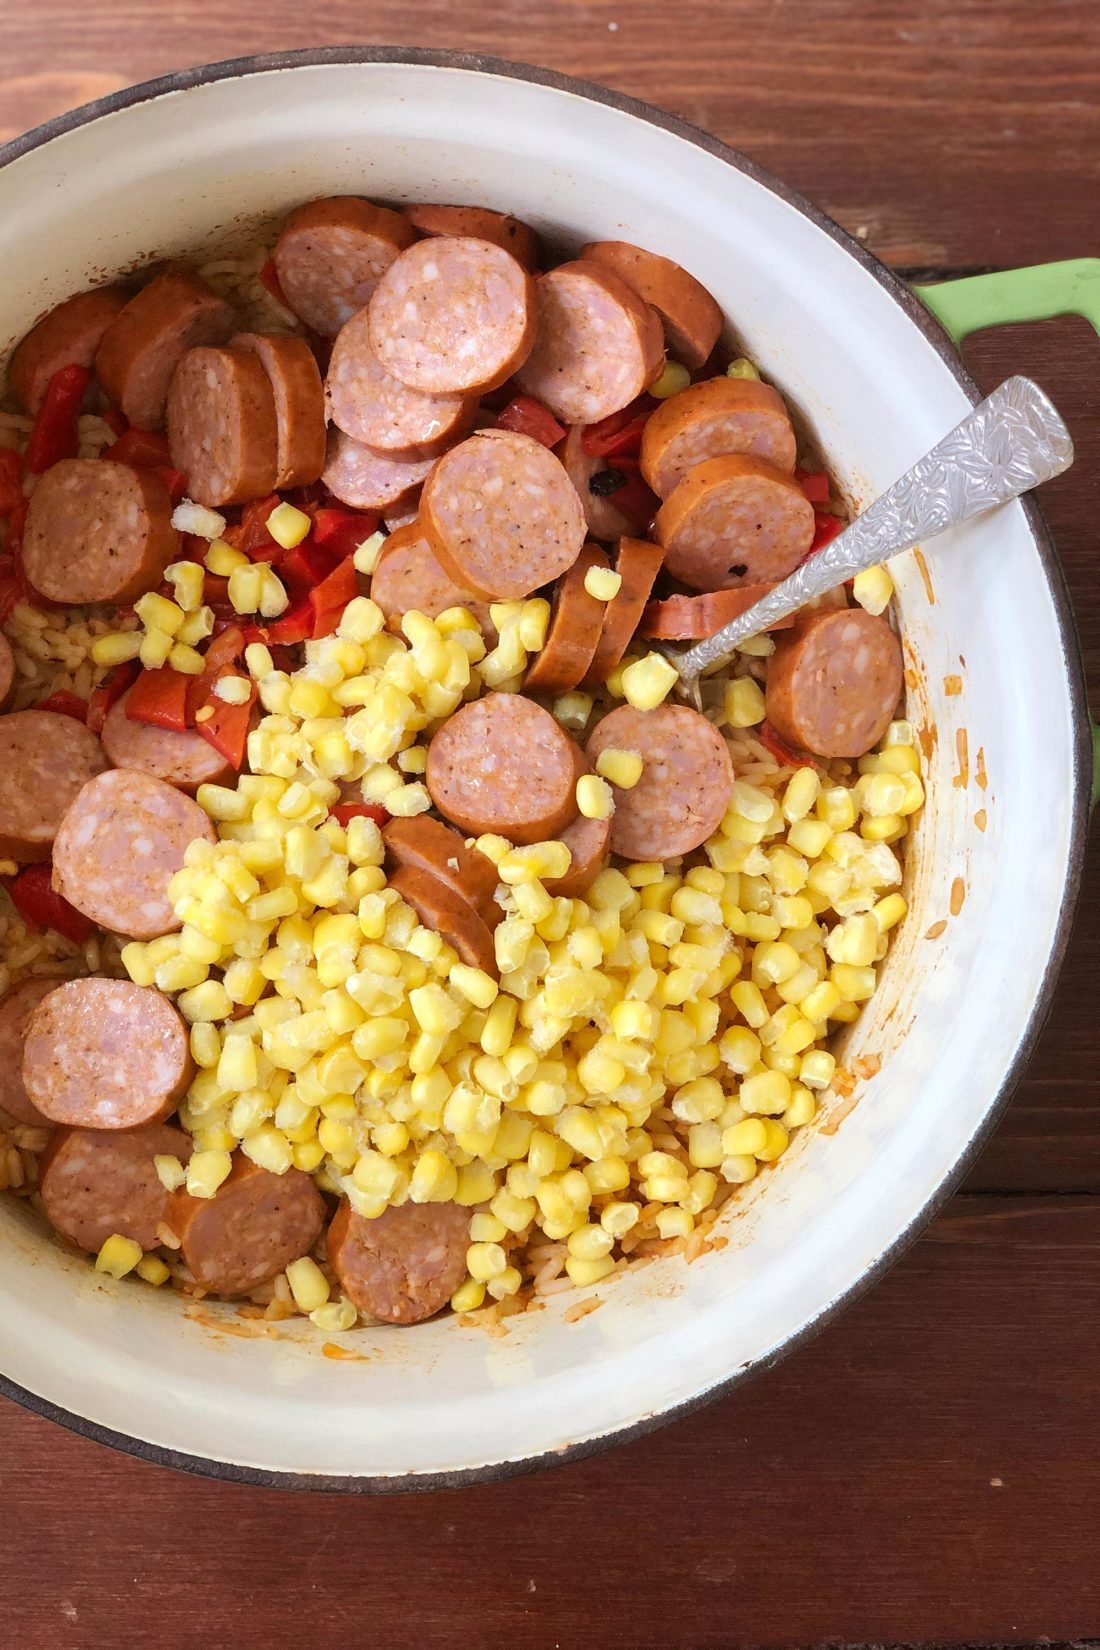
[926,577]
[962,748]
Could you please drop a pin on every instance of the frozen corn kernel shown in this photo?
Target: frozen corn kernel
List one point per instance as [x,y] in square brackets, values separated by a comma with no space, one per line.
[672,378]
[169,1171]
[873,589]
[189,517]
[584,1272]
[809,836]
[335,1316]
[572,710]
[233,690]
[744,703]
[118,1256]
[186,579]
[434,1178]
[116,649]
[776,1142]
[468,1296]
[288,526]
[485,1261]
[603,583]
[646,682]
[152,1270]
[206,1171]
[308,1283]
[155,647]
[741,368]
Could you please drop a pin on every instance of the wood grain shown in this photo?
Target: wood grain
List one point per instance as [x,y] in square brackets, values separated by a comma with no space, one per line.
[926,1471]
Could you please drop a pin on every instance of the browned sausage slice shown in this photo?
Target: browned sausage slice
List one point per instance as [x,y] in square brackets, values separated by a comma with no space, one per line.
[691,618]
[408,578]
[143,344]
[185,760]
[367,402]
[686,783]
[106,1054]
[67,337]
[637,563]
[44,761]
[96,1183]
[98,531]
[574,631]
[291,368]
[119,846]
[367,480]
[448,914]
[423,844]
[221,426]
[709,420]
[690,316]
[7,670]
[734,521]
[16,1010]
[597,345]
[404,1265]
[605,520]
[330,255]
[479,223]
[834,682]
[255,1224]
[503,764]
[589,843]
[502,515]
[453,315]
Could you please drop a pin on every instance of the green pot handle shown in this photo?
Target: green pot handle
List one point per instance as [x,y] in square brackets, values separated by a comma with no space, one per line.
[1035,294]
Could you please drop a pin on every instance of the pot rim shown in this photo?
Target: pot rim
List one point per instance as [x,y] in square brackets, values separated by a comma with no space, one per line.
[934,333]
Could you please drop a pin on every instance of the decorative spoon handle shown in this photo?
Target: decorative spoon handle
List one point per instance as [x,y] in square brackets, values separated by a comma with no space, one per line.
[1012,441]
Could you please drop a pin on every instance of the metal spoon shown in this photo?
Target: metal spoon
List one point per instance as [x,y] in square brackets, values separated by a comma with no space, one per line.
[1012,441]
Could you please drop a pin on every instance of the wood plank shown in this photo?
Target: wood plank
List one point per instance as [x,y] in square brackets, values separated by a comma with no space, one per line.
[923,1472]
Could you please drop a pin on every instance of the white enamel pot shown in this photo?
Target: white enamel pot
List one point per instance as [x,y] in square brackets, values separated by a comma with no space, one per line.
[198,159]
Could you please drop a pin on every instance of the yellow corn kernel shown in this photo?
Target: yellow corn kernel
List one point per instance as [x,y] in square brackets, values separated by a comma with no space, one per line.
[745,1138]
[590,1242]
[237,1067]
[744,703]
[776,1142]
[601,1074]
[308,1283]
[288,527]
[153,1270]
[500,1024]
[118,1256]
[158,613]
[155,647]
[185,660]
[584,1272]
[749,1002]
[485,1261]
[671,379]
[617,1219]
[474,984]
[468,1296]
[610,1174]
[836,808]
[208,1001]
[705,1145]
[675,1223]
[186,579]
[135,961]
[514,1213]
[505,1283]
[116,649]
[572,710]
[179,973]
[434,1178]
[769,1092]
[206,1171]
[646,683]
[809,836]
[855,984]
[873,589]
[801,794]
[621,768]
[888,912]
[335,1316]
[602,583]
[736,1171]
[476,1184]
[436,1012]
[802,1109]
[741,368]
[885,828]
[594,797]
[855,940]
[379,1037]
[170,1171]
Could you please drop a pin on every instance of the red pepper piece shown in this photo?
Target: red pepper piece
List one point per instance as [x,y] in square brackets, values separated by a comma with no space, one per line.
[254,538]
[109,692]
[54,431]
[343,531]
[633,497]
[309,498]
[330,598]
[306,565]
[11,480]
[65,704]
[175,481]
[116,418]
[145,448]
[526,416]
[159,697]
[228,728]
[620,434]
[344,812]
[223,650]
[269,276]
[814,484]
[826,529]
[34,898]
[784,753]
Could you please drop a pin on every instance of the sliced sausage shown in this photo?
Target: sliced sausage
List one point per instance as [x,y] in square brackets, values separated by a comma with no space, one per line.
[44,762]
[292,372]
[605,520]
[589,843]
[734,521]
[367,402]
[408,577]
[397,518]
[255,1224]
[574,630]
[185,760]
[691,618]
[98,1184]
[405,1264]
[68,336]
[330,255]
[98,531]
[502,515]
[448,914]
[453,315]
[7,670]
[834,682]
[503,764]
[709,420]
[142,346]
[637,564]
[221,426]
[691,319]
[16,1010]
[106,1054]
[423,844]
[479,223]
[597,345]
[119,846]
[367,480]
[686,783]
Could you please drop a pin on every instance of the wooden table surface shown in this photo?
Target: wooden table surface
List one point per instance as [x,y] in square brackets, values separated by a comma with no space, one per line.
[927,1470]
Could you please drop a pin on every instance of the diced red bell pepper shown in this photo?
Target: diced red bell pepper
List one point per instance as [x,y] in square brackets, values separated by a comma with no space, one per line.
[309,498]
[65,704]
[343,531]
[54,431]
[633,496]
[159,697]
[344,812]
[227,729]
[109,692]
[306,565]
[116,418]
[295,625]
[814,484]
[526,416]
[145,448]
[39,906]
[254,538]
[826,529]
[11,480]
[223,650]
[269,276]
[784,753]
[175,481]
[620,434]
[330,598]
